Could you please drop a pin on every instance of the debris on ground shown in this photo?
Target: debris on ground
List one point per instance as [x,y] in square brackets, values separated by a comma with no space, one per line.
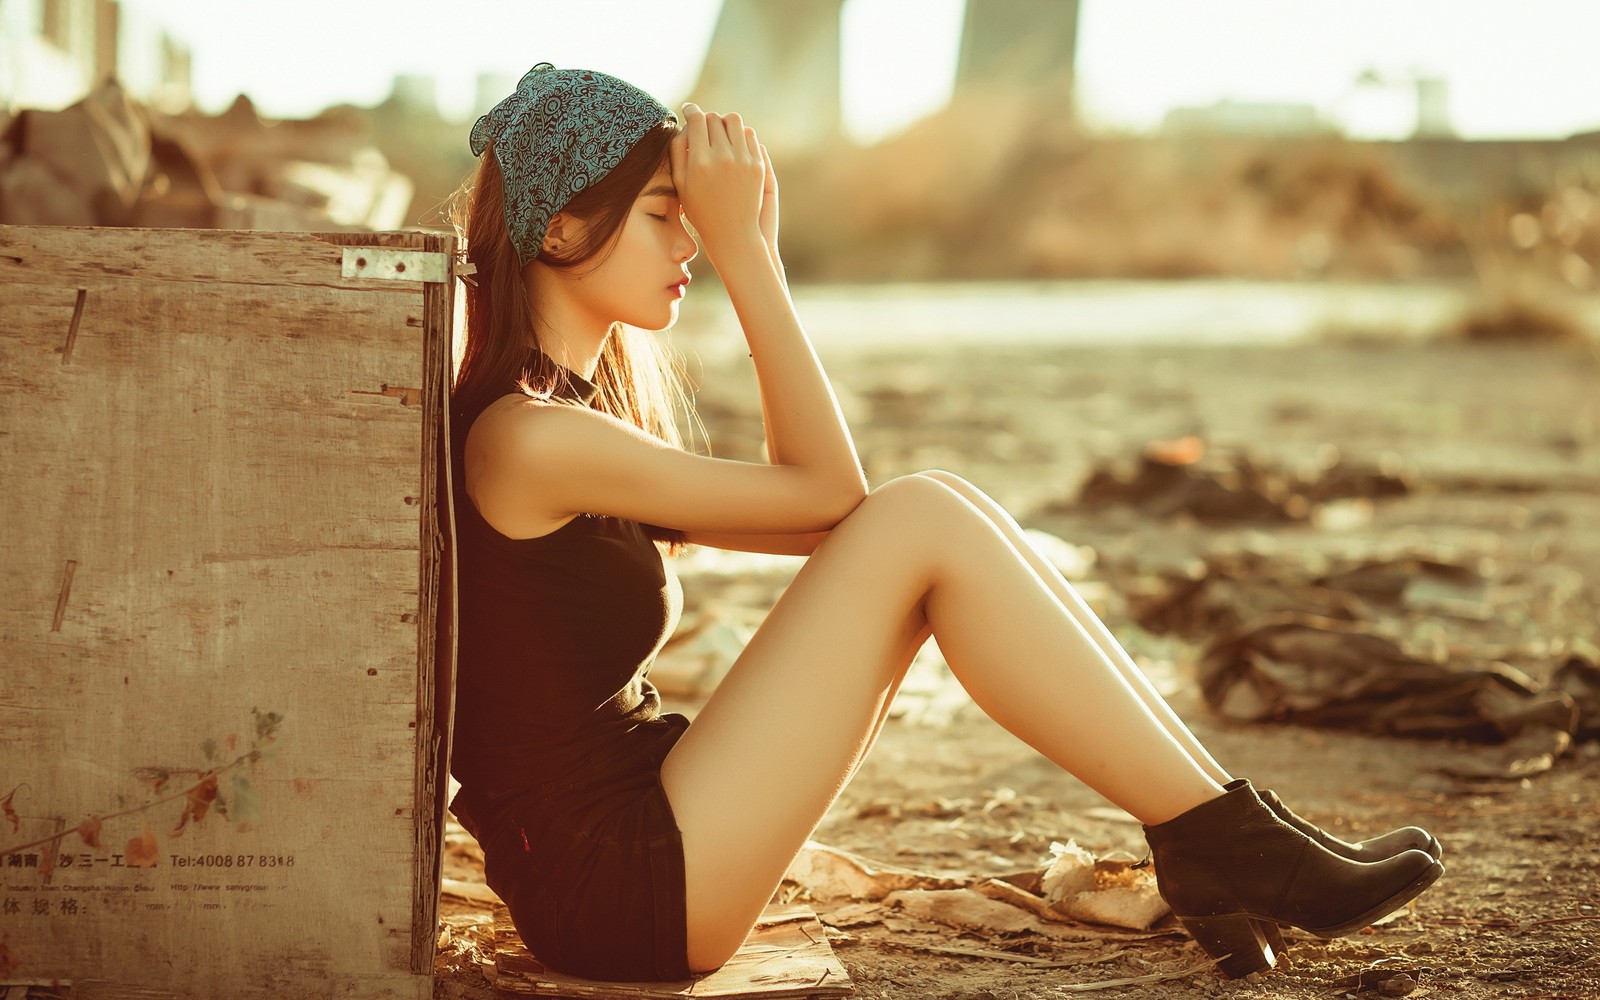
[1180,476]
[1390,977]
[109,160]
[1320,671]
[1460,586]
[1069,887]
[827,873]
[1531,752]
[1578,675]
[1101,890]
[1071,871]
[964,909]
[1223,591]
[1416,640]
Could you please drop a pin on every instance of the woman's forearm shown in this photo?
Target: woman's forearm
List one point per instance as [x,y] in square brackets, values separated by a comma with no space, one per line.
[804,425]
[774,451]
[777,265]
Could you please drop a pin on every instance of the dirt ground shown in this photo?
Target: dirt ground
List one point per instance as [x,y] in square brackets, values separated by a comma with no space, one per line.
[1504,442]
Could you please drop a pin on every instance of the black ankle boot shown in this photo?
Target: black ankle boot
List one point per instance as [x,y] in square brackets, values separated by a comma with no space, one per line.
[1229,866]
[1407,838]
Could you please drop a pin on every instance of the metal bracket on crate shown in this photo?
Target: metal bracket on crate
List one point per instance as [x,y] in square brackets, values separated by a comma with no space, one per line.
[394,265]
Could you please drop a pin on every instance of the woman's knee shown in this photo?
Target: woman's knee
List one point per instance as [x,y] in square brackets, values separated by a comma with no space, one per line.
[903,522]
[950,479]
[925,491]
[917,505]
[913,522]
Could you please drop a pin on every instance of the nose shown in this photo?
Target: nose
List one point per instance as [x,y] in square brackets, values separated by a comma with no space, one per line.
[684,248]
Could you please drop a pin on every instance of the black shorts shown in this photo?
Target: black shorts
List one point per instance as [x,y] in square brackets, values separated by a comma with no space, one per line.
[592,872]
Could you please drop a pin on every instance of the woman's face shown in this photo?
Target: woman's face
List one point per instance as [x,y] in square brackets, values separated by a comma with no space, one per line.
[645,276]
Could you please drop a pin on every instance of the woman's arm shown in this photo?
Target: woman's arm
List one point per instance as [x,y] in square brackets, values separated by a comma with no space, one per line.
[768,220]
[533,465]
[800,414]
[768,224]
[716,155]
[801,543]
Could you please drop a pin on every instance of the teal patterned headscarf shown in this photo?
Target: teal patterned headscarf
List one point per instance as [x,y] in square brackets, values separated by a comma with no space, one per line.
[558,133]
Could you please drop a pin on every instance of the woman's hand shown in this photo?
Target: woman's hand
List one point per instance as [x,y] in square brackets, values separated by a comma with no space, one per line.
[769,202]
[721,174]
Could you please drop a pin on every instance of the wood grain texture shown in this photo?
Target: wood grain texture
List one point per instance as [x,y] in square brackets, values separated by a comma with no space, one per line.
[436,643]
[51,256]
[240,681]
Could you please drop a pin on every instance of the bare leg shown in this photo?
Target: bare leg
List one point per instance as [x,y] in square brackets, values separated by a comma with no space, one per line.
[775,743]
[888,699]
[1079,609]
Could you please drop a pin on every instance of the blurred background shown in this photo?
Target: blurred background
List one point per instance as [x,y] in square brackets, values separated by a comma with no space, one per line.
[1032,239]
[918,140]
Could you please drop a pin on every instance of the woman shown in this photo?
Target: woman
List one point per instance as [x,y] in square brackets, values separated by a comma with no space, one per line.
[628,844]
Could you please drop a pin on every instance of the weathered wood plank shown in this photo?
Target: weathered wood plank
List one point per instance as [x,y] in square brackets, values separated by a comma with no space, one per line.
[436,636]
[71,256]
[218,609]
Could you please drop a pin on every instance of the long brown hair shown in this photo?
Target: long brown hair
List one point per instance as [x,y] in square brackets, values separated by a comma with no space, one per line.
[639,380]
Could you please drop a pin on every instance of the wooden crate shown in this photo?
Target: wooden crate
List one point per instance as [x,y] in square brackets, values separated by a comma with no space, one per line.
[226,616]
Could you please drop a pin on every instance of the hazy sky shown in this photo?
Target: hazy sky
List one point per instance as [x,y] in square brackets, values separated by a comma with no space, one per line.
[1515,67]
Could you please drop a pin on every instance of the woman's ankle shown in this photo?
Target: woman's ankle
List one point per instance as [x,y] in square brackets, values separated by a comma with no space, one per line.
[1190,798]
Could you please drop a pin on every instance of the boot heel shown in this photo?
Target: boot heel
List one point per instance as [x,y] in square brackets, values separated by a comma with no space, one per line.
[1274,937]
[1235,938]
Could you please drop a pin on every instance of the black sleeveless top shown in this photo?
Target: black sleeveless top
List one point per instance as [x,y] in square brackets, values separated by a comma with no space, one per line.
[556,636]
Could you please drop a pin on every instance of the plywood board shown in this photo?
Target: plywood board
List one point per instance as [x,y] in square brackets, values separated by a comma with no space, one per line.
[225,613]
[786,955]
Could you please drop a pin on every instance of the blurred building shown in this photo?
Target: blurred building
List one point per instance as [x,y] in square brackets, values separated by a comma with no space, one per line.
[420,142]
[415,94]
[1418,105]
[491,90]
[53,52]
[1247,118]
[1026,47]
[777,60]
[1433,109]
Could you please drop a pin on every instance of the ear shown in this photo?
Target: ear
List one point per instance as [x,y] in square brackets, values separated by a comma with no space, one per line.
[563,229]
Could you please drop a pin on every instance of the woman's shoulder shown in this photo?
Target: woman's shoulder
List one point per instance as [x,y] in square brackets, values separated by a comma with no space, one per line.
[524,427]
[525,436]
[499,464]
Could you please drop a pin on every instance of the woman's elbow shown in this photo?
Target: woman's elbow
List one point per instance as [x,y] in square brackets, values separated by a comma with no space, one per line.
[843,498]
[821,500]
